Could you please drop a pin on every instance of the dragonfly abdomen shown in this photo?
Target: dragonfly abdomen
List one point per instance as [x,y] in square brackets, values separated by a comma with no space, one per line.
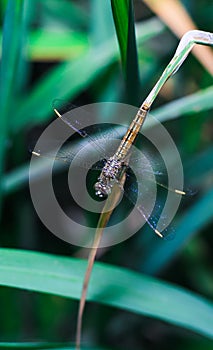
[115,164]
[131,133]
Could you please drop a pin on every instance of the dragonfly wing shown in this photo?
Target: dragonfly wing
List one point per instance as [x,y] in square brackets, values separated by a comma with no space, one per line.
[67,153]
[149,205]
[83,123]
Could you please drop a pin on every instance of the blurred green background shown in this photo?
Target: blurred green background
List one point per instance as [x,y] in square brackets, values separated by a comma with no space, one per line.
[69,49]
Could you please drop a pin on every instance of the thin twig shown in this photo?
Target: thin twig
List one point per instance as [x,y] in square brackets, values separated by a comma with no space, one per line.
[109,206]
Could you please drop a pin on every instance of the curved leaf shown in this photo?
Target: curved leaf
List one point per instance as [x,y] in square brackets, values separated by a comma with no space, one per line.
[198,102]
[109,285]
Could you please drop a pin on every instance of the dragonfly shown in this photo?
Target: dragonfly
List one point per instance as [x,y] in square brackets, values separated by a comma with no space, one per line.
[119,161]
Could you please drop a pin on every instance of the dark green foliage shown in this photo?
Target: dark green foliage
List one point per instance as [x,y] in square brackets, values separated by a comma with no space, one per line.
[86,52]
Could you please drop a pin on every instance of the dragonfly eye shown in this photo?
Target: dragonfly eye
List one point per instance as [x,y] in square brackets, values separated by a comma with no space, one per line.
[99,194]
[102,190]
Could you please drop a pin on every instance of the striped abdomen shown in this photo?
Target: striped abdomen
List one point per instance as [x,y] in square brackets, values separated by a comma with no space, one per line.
[131,134]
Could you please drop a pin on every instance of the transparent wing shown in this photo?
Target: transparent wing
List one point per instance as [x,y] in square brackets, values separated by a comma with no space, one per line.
[96,139]
[152,217]
[87,126]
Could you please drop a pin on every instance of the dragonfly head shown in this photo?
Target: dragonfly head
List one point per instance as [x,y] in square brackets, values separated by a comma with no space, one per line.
[102,189]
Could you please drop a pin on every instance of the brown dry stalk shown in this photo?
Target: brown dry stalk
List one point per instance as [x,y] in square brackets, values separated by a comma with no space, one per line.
[175,16]
[109,206]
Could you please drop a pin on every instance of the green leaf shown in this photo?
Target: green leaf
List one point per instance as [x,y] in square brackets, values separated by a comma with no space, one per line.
[70,78]
[51,45]
[120,10]
[194,103]
[125,28]
[64,82]
[37,346]
[101,22]
[44,346]
[48,44]
[65,12]
[109,285]
[16,179]
[12,31]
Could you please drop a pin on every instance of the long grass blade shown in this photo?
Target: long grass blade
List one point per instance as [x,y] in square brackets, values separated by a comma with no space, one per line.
[10,56]
[188,105]
[123,15]
[128,290]
[187,42]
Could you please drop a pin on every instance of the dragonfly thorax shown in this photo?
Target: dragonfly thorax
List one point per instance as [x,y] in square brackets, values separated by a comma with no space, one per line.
[110,173]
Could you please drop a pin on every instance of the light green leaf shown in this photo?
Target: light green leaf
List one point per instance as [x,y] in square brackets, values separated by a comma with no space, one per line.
[198,102]
[45,346]
[109,285]
[49,45]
